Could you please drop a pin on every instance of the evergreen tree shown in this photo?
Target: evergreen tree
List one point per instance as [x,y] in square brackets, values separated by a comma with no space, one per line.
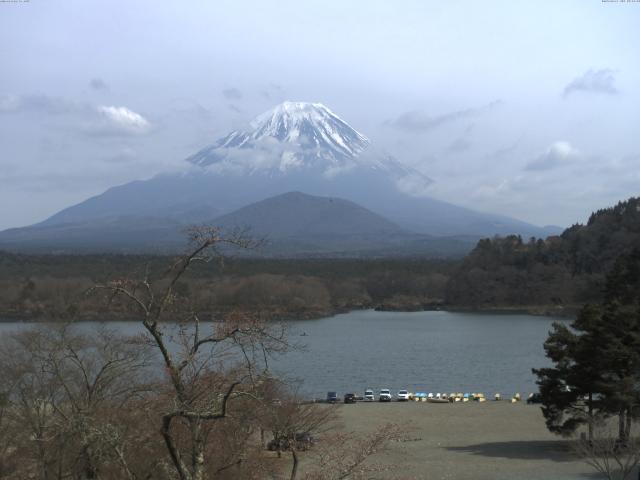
[569,389]
[620,355]
[596,370]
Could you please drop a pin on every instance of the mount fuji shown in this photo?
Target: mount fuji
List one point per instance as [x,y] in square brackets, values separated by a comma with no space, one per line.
[299,136]
[296,146]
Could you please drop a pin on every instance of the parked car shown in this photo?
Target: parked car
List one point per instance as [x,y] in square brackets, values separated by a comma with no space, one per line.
[403,396]
[368,395]
[332,397]
[534,398]
[385,395]
[349,398]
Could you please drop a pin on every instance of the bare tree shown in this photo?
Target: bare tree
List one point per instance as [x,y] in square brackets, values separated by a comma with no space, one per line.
[64,391]
[7,447]
[345,455]
[207,366]
[294,424]
[605,453]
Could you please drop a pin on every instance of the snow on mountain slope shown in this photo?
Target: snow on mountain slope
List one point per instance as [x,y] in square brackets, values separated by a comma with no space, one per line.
[299,136]
[311,125]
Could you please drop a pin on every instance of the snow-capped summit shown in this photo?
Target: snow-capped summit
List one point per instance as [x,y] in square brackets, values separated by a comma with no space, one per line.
[310,125]
[292,135]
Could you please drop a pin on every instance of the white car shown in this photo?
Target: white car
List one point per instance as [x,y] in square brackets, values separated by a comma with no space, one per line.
[385,395]
[403,396]
[368,395]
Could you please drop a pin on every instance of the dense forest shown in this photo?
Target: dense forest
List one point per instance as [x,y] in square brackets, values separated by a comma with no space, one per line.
[552,275]
[53,286]
[561,271]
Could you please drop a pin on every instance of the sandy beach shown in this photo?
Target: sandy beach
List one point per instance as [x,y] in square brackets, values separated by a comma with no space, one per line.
[491,440]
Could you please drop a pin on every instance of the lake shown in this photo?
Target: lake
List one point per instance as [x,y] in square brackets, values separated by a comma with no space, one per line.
[433,351]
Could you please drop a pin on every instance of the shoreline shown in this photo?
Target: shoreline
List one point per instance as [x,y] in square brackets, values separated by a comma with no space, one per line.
[533,310]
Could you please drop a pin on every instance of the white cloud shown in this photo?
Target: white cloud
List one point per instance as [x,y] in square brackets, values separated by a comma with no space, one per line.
[268,154]
[119,121]
[95,120]
[558,154]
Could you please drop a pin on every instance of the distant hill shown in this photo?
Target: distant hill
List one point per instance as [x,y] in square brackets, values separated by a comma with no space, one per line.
[298,215]
[122,234]
[297,224]
[293,224]
[565,270]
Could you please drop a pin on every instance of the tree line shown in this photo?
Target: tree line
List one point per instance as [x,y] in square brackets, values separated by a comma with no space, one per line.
[51,287]
[564,271]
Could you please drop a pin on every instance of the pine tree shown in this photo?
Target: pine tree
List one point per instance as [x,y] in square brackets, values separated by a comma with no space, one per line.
[596,370]
[569,389]
[620,353]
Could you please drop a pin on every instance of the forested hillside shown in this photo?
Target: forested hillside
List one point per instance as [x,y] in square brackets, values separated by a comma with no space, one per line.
[562,271]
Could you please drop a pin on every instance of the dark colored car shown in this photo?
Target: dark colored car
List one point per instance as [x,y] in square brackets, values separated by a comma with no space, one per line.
[350,398]
[332,397]
[534,398]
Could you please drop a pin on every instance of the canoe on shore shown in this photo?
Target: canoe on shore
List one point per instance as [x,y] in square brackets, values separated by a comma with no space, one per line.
[437,400]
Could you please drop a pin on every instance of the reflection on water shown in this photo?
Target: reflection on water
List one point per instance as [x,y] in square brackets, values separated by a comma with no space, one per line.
[421,351]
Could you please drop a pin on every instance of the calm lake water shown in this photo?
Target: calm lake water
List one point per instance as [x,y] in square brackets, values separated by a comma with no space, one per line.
[421,351]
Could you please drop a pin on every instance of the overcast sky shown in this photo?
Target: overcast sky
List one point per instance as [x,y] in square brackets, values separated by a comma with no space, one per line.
[529,109]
